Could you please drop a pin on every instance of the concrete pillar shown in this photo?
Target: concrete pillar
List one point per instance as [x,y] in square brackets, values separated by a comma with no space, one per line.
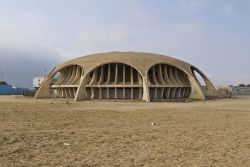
[145,96]
[44,90]
[81,90]
[196,92]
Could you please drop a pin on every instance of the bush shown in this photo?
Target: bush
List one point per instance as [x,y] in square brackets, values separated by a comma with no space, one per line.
[242,85]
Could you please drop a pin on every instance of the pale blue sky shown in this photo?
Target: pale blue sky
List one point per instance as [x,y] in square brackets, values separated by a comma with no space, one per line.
[214,35]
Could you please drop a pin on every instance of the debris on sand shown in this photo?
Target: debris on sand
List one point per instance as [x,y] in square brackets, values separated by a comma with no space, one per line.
[66,144]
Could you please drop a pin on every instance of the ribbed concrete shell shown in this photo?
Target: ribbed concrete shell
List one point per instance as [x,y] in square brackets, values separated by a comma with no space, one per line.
[129,76]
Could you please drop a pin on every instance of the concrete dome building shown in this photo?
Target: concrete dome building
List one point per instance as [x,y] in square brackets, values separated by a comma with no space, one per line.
[126,76]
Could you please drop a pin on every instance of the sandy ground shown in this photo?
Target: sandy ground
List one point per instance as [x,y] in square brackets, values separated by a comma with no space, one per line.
[60,133]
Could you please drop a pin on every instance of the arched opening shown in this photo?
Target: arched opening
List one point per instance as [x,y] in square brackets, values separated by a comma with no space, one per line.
[168,82]
[200,78]
[65,82]
[114,81]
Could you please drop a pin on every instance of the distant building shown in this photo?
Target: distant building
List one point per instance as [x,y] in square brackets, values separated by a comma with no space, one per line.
[37,81]
[224,92]
[6,89]
[240,90]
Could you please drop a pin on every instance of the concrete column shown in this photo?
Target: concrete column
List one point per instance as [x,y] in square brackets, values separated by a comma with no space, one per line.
[69,93]
[211,90]
[43,91]
[131,76]
[77,76]
[74,91]
[81,90]
[109,73]
[160,75]
[115,93]
[62,76]
[181,77]
[101,77]
[94,78]
[92,92]
[100,93]
[177,77]
[108,93]
[162,93]
[131,83]
[123,93]
[165,75]
[171,75]
[73,74]
[168,93]
[123,74]
[60,79]
[155,93]
[116,73]
[68,73]
[145,96]
[140,92]
[154,76]
[196,92]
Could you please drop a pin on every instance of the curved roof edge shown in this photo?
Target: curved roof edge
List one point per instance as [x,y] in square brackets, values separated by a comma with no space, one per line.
[124,53]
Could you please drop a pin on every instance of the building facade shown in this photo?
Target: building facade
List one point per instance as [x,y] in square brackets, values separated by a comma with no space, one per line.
[126,76]
[6,89]
[37,82]
[240,91]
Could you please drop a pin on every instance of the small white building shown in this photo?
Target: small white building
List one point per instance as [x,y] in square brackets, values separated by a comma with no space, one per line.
[37,81]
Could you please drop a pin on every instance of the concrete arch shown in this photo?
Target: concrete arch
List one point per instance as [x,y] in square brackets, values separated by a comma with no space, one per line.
[88,70]
[209,90]
[97,84]
[63,85]
[168,83]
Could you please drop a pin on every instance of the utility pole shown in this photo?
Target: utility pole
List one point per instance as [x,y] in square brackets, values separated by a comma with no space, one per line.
[2,75]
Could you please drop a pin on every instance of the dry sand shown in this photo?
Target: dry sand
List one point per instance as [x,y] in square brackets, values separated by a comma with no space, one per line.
[59,133]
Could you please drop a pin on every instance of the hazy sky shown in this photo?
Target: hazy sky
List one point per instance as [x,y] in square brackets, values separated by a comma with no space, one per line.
[214,35]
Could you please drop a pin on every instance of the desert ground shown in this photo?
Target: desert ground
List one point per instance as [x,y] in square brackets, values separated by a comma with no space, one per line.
[61,132]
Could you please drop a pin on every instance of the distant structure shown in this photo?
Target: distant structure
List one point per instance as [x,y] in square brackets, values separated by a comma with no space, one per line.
[240,90]
[37,81]
[224,92]
[126,76]
[6,89]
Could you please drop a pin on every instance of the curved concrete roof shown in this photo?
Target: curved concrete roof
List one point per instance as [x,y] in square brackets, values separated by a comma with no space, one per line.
[139,60]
